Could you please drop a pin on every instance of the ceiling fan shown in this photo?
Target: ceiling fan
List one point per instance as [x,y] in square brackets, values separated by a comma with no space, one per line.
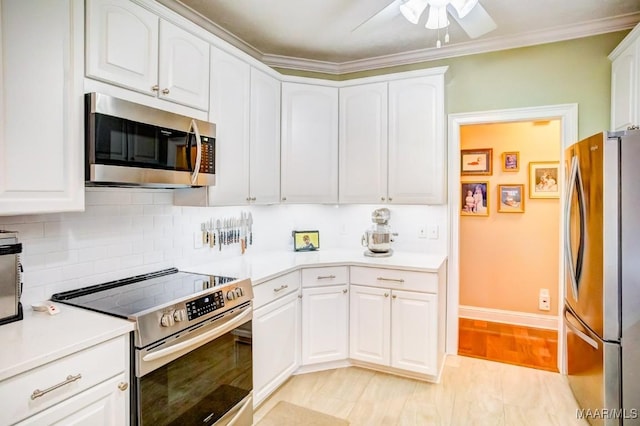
[469,14]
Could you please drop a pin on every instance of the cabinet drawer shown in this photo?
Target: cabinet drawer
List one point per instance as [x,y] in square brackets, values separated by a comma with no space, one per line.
[395,279]
[275,289]
[331,275]
[90,366]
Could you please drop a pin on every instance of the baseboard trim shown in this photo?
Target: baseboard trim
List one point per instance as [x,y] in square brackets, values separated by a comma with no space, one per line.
[549,322]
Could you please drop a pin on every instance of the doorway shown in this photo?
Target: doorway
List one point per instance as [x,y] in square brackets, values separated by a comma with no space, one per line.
[567,117]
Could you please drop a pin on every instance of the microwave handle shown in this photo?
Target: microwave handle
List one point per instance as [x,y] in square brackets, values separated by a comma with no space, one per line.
[196,169]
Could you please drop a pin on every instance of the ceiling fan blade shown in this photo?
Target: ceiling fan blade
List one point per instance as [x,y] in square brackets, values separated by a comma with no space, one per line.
[475,23]
[390,11]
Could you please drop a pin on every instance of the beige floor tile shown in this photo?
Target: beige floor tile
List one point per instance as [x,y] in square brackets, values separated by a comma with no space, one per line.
[471,392]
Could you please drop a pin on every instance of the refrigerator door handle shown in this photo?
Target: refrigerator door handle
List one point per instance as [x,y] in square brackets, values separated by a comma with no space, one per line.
[575,327]
[574,186]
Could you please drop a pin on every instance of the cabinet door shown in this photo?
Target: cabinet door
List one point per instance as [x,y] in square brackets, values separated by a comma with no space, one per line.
[414,331]
[325,319]
[103,404]
[264,153]
[183,67]
[369,324]
[229,109]
[122,44]
[276,345]
[624,88]
[41,106]
[309,143]
[417,160]
[363,143]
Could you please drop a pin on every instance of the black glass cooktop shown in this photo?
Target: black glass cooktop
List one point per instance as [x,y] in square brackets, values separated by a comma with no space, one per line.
[130,296]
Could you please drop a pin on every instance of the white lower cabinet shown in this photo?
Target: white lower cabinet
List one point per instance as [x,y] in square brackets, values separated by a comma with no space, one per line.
[276,343]
[105,404]
[414,338]
[325,324]
[396,319]
[89,387]
[369,322]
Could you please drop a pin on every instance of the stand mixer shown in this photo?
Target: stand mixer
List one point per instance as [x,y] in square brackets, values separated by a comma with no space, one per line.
[378,238]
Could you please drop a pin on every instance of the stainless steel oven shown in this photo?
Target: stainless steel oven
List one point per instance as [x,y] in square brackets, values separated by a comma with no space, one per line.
[192,347]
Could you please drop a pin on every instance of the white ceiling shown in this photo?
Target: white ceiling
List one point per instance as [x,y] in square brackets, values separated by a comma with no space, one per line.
[319,34]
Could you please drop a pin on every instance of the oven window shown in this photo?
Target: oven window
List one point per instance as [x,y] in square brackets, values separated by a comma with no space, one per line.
[201,386]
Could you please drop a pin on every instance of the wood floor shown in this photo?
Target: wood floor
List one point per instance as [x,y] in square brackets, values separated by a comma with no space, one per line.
[519,345]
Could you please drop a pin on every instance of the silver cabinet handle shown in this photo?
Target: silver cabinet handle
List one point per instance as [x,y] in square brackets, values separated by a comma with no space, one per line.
[248,198]
[345,291]
[123,386]
[155,88]
[390,199]
[395,280]
[165,91]
[70,379]
[326,277]
[284,198]
[381,198]
[386,295]
[282,287]
[394,296]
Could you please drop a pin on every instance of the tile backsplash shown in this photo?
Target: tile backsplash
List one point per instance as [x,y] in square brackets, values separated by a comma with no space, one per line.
[125,232]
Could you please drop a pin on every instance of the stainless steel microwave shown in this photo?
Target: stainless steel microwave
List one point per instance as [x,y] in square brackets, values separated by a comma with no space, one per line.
[128,144]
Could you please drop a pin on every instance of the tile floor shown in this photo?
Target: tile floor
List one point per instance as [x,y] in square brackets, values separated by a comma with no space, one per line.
[472,392]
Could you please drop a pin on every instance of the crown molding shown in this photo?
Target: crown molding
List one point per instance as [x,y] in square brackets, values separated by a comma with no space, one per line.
[563,33]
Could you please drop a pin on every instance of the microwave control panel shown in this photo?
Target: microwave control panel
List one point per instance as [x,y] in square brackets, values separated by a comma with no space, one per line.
[208,158]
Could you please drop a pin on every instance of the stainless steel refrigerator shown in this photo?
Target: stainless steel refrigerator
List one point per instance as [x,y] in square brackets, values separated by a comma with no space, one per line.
[602,288]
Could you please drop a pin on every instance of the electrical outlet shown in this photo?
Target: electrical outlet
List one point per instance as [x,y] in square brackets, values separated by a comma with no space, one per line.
[422,231]
[544,300]
[433,232]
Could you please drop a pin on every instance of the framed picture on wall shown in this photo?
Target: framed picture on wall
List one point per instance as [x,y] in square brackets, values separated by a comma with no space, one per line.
[511,198]
[510,161]
[476,162]
[474,198]
[543,179]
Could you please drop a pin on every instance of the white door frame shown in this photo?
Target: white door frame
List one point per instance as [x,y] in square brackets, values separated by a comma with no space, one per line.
[568,116]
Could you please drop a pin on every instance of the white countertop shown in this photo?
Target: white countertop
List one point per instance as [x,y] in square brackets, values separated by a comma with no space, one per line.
[261,267]
[40,338]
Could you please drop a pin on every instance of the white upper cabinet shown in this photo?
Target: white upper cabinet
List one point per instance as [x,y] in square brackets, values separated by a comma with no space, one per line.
[230,109]
[41,107]
[309,143]
[417,156]
[363,143]
[392,143]
[245,105]
[264,147]
[129,46]
[625,82]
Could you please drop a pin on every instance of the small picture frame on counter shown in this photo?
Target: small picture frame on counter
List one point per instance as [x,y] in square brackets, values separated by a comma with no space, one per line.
[306,240]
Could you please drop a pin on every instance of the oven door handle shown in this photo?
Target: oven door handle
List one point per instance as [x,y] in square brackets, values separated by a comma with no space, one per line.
[202,338]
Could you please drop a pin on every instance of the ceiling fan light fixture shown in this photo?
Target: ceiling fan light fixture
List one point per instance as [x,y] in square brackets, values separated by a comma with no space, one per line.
[437,18]
[412,9]
[463,7]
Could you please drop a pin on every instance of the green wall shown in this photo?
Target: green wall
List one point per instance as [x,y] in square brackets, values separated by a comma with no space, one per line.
[574,71]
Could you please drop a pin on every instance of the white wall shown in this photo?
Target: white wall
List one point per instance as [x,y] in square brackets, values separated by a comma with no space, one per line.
[126,232]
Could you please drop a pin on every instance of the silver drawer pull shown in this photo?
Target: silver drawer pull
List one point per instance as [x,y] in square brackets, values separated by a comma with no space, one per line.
[344,291]
[123,386]
[70,379]
[326,277]
[395,280]
[282,287]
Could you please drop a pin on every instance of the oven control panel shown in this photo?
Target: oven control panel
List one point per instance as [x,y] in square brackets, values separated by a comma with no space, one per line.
[205,305]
